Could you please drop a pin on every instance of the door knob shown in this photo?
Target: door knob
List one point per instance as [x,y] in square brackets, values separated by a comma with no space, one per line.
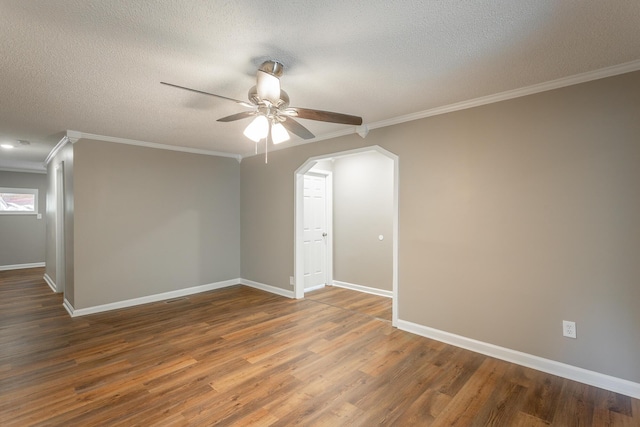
[324,234]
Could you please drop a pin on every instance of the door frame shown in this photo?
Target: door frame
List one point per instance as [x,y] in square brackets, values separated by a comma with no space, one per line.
[328,196]
[298,252]
[60,229]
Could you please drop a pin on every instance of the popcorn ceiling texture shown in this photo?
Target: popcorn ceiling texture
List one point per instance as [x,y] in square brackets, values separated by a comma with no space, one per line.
[95,66]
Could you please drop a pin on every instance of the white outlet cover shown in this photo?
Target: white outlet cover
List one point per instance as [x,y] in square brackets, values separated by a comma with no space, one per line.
[569,329]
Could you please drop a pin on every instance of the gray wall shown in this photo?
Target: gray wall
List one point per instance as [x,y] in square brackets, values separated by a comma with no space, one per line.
[363,210]
[513,217]
[23,236]
[148,221]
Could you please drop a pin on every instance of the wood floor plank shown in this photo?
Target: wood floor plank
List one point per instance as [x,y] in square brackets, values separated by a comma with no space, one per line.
[372,305]
[543,397]
[239,357]
[470,399]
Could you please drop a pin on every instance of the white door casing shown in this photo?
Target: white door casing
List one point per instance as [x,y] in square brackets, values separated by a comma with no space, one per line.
[59,227]
[298,262]
[315,231]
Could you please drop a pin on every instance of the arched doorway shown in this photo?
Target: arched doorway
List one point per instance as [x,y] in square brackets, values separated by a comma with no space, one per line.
[299,259]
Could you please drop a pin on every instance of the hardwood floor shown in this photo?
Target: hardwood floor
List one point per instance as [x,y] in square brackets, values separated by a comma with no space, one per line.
[371,305]
[239,356]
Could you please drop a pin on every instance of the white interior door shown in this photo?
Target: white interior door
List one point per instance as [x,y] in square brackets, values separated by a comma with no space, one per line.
[315,231]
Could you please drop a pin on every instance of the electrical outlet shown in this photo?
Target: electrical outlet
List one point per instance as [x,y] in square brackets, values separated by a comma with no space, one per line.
[291,280]
[569,329]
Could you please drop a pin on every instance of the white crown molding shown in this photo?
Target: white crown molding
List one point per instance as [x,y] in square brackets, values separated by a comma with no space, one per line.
[365,289]
[267,288]
[65,139]
[596,379]
[511,94]
[50,282]
[23,170]
[21,266]
[75,136]
[363,130]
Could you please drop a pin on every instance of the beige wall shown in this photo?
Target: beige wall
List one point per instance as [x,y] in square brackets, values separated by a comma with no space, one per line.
[362,211]
[149,221]
[23,236]
[513,217]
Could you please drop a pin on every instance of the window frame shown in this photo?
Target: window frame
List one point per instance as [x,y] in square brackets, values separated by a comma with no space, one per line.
[14,190]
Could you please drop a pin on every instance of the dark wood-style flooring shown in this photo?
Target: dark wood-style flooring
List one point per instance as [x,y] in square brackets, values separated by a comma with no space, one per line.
[239,356]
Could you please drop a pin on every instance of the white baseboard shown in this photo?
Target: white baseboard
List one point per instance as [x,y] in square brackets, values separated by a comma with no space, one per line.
[267,288]
[360,288]
[50,282]
[21,266]
[596,379]
[67,306]
[147,299]
[73,312]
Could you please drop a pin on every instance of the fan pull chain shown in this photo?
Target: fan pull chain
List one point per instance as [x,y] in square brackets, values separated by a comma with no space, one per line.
[266,150]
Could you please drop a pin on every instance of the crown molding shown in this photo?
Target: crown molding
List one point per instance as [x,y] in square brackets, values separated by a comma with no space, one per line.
[22,170]
[74,136]
[614,70]
[364,129]
[601,73]
[65,139]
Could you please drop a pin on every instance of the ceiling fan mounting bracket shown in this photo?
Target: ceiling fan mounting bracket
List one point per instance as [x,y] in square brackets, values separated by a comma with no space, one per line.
[273,67]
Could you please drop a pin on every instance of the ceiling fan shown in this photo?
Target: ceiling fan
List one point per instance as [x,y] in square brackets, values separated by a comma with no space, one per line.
[269,105]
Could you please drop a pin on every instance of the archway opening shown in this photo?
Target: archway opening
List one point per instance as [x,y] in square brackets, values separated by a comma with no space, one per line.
[299,197]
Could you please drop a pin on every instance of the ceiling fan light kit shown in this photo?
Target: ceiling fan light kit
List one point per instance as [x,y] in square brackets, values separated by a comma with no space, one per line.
[279,133]
[257,129]
[270,106]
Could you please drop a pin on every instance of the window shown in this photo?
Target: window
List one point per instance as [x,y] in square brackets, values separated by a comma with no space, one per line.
[18,201]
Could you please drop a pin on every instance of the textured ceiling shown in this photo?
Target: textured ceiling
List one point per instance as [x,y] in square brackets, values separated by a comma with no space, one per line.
[94,66]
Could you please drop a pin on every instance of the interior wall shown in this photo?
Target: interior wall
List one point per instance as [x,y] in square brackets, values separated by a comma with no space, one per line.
[50,237]
[65,158]
[363,211]
[23,236]
[150,221]
[513,217]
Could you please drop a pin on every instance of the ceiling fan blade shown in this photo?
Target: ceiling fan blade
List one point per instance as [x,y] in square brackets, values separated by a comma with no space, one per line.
[295,127]
[323,116]
[237,101]
[237,116]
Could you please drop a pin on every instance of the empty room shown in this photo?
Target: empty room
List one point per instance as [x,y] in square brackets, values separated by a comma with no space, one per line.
[327,213]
